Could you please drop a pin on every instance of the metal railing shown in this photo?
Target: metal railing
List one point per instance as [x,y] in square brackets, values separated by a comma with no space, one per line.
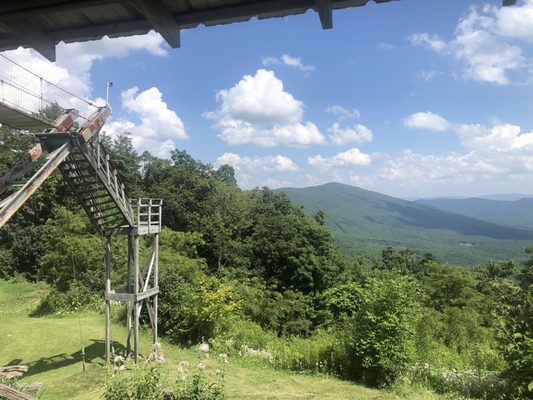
[27,92]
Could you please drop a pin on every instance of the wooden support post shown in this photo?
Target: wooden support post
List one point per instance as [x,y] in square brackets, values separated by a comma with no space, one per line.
[129,286]
[136,305]
[107,301]
[156,282]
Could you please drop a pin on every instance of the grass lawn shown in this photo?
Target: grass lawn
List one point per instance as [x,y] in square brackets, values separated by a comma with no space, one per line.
[50,346]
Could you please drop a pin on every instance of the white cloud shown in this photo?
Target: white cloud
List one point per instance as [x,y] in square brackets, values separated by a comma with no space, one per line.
[159,126]
[343,113]
[413,169]
[427,75]
[516,22]
[352,157]
[498,138]
[487,42]
[271,170]
[432,42]
[258,110]
[72,70]
[385,46]
[357,133]
[427,120]
[290,61]
[268,163]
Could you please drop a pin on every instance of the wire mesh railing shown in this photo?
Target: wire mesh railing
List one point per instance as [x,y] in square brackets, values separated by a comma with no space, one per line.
[27,92]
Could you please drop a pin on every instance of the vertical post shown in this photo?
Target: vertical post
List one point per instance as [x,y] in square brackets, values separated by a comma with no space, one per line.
[136,305]
[129,290]
[107,169]
[107,301]
[156,281]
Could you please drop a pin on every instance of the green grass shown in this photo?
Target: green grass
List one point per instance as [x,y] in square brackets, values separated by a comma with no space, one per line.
[50,346]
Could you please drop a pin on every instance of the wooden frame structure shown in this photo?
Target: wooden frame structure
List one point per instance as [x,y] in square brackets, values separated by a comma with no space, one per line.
[142,286]
[90,173]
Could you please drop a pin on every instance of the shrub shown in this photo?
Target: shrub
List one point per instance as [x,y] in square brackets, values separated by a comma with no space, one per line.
[379,338]
[469,383]
[144,382]
[75,298]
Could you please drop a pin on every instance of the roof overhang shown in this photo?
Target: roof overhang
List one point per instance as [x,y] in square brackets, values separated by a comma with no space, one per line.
[41,24]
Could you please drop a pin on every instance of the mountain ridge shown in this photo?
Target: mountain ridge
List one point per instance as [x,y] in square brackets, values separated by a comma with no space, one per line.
[364,222]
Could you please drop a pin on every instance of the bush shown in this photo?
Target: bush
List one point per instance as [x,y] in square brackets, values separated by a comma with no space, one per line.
[75,298]
[379,338]
[144,382]
[469,383]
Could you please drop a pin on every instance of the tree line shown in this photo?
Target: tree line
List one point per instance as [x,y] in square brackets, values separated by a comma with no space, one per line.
[249,268]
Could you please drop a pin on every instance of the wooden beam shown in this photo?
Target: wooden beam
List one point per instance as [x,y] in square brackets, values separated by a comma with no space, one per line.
[161,19]
[19,198]
[33,36]
[11,394]
[325,12]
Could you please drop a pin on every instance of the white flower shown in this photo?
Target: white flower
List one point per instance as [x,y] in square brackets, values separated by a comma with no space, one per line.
[200,366]
[218,372]
[204,347]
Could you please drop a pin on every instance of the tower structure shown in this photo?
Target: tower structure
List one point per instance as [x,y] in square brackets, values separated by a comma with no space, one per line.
[71,144]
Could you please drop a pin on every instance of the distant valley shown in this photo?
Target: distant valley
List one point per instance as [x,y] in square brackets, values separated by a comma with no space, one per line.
[458,231]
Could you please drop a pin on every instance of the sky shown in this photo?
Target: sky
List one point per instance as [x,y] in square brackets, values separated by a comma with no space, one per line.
[411,98]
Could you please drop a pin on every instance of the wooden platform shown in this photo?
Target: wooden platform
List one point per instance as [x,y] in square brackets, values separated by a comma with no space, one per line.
[19,119]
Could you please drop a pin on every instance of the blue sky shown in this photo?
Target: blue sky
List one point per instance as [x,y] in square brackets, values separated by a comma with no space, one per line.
[412,98]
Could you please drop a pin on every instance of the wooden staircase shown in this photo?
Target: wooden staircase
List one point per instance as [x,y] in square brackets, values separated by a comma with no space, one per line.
[86,166]
[95,182]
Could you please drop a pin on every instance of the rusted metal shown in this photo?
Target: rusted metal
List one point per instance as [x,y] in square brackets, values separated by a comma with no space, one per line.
[95,123]
[24,165]
[19,198]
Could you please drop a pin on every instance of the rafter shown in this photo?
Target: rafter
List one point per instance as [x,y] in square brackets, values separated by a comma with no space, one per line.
[161,19]
[325,12]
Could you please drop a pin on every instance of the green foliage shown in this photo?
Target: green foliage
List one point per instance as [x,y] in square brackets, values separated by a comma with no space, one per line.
[515,334]
[77,297]
[74,252]
[192,304]
[469,383]
[363,222]
[380,336]
[198,387]
[141,383]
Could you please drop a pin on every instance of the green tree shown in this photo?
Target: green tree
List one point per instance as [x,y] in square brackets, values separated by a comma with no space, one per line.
[380,336]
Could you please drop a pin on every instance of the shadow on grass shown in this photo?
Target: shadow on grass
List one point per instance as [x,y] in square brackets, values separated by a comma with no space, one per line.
[93,353]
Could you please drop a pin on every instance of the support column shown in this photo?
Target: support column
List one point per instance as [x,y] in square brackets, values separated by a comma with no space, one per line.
[129,325]
[156,282]
[136,306]
[107,301]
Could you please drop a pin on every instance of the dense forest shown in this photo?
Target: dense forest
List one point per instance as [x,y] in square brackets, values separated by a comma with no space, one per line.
[250,271]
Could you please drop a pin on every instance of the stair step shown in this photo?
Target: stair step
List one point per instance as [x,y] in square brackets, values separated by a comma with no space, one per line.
[107,216]
[102,210]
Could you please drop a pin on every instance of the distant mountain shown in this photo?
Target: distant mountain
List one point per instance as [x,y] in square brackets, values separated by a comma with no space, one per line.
[517,213]
[365,222]
[506,196]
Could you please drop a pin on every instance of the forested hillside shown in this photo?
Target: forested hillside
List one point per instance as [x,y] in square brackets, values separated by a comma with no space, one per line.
[255,276]
[364,222]
[515,213]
